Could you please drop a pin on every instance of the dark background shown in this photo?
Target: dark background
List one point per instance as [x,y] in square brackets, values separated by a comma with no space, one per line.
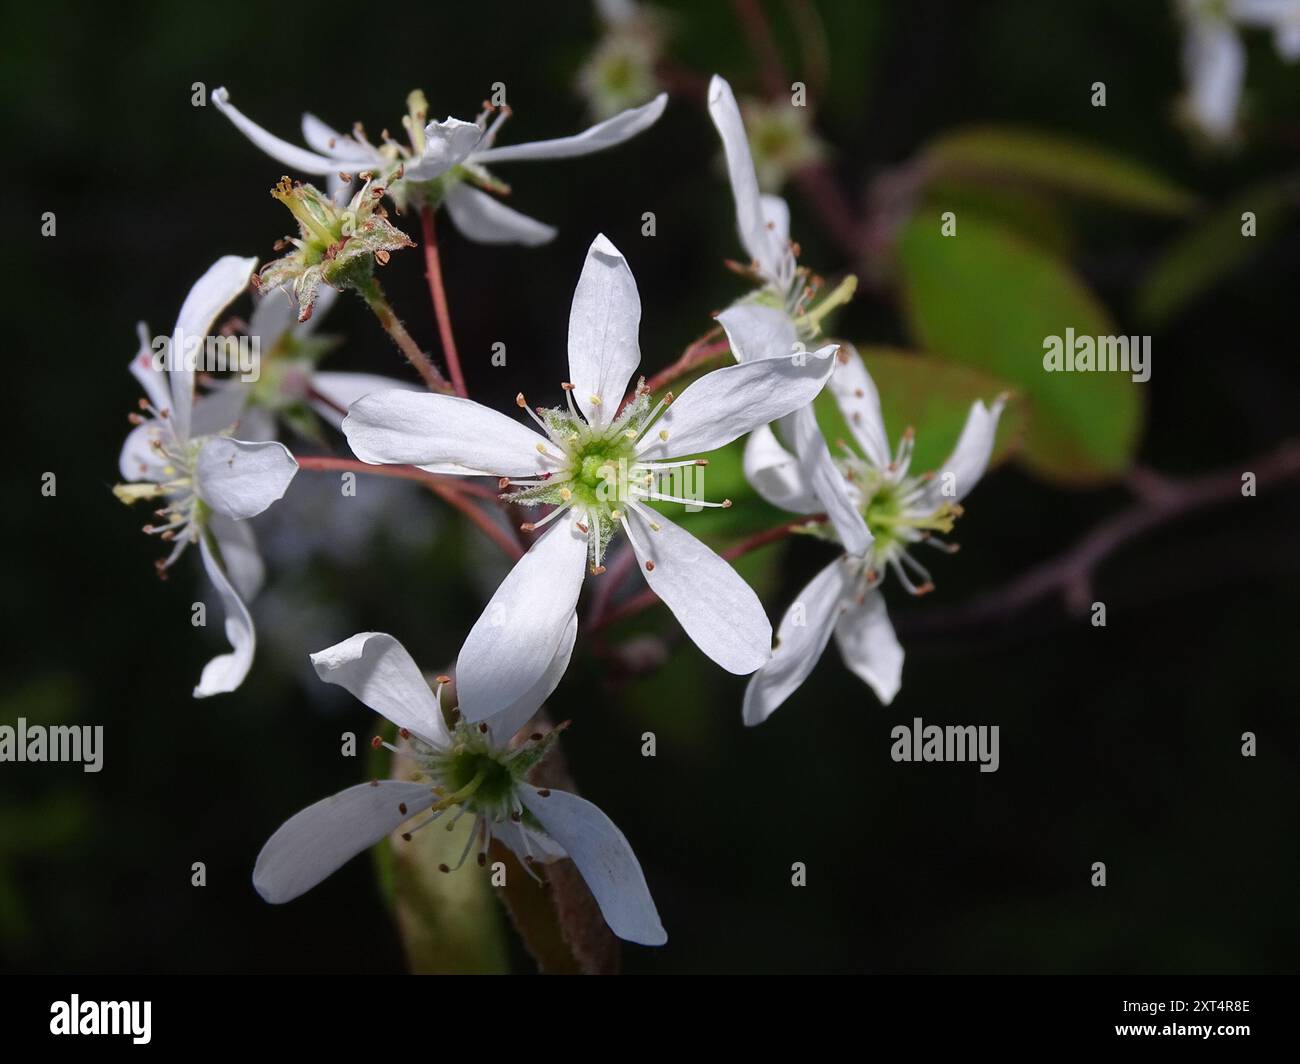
[1119,744]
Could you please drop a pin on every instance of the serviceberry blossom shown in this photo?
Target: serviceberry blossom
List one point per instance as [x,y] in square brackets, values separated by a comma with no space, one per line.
[620,73]
[784,313]
[1214,57]
[463,768]
[598,464]
[290,388]
[207,482]
[336,246]
[900,509]
[444,163]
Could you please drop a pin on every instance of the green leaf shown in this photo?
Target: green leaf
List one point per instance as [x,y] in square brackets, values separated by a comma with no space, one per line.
[1030,213]
[933,397]
[1025,157]
[1215,249]
[988,300]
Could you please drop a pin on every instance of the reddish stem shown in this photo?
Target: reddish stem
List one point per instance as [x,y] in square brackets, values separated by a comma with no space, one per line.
[433,270]
[440,486]
[693,357]
[754,22]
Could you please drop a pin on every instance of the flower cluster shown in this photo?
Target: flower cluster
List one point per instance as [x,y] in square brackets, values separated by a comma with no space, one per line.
[596,467]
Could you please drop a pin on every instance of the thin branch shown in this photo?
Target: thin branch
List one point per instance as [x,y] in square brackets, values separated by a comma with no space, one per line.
[376,301]
[433,270]
[1160,500]
[320,397]
[699,352]
[761,42]
[449,492]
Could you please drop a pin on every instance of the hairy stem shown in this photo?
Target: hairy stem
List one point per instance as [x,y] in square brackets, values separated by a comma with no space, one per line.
[376,301]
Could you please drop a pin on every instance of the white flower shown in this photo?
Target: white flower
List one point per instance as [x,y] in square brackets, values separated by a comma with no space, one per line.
[1214,58]
[781,317]
[1282,17]
[208,483]
[900,509]
[620,73]
[472,768]
[763,220]
[598,467]
[443,161]
[290,386]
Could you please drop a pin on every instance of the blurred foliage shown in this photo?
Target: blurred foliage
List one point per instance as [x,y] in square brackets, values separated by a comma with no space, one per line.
[1034,159]
[1216,247]
[987,299]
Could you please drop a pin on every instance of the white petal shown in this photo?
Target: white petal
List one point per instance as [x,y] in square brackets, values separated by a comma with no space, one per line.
[776,474]
[147,372]
[763,242]
[726,403]
[606,134]
[828,483]
[859,402]
[315,843]
[489,221]
[240,557]
[969,459]
[221,408]
[223,282]
[1215,62]
[139,459]
[510,720]
[603,324]
[800,639]
[446,144]
[717,609]
[336,146]
[377,669]
[396,427]
[344,389]
[513,644]
[242,479]
[274,314]
[227,671]
[606,861]
[776,216]
[756,332]
[1286,39]
[281,150]
[539,846]
[869,647]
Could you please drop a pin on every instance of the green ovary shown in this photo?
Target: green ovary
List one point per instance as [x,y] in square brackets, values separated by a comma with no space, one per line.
[594,474]
[487,781]
[888,520]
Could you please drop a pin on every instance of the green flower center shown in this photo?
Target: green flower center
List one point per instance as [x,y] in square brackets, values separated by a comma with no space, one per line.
[598,472]
[487,781]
